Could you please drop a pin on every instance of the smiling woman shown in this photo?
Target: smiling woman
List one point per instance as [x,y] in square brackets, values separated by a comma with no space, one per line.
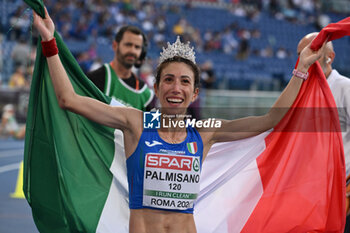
[176,86]
[164,164]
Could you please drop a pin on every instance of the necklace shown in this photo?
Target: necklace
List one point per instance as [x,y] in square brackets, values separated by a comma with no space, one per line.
[171,140]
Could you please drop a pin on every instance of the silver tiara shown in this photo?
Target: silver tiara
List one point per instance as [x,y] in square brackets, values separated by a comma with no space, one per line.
[178,49]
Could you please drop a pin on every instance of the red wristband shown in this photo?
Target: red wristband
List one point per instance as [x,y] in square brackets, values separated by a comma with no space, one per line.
[49,47]
[300,74]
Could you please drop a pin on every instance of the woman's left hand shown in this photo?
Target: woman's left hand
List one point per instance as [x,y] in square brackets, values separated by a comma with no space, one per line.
[308,57]
[45,26]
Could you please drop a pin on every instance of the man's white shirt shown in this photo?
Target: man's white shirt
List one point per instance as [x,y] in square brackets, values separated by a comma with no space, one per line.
[340,87]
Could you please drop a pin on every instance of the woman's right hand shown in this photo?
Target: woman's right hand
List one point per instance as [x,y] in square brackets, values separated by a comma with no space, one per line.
[45,26]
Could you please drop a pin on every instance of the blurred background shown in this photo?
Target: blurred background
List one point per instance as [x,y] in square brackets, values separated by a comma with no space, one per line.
[246,50]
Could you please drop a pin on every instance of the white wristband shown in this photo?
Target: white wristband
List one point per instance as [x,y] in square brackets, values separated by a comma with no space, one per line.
[300,74]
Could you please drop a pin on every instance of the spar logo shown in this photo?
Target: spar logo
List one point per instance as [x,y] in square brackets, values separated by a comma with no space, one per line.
[183,163]
[196,165]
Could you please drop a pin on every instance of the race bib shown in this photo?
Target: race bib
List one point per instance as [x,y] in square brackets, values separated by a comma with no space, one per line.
[171,181]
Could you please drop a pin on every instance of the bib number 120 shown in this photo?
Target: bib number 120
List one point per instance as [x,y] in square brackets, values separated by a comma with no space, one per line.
[174,186]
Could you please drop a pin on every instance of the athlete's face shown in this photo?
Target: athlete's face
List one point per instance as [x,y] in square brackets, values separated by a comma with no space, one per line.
[128,50]
[176,86]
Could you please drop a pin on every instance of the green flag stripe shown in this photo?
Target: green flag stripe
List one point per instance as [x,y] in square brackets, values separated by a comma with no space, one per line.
[67,157]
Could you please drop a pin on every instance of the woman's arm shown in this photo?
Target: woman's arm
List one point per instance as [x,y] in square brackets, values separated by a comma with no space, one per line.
[116,117]
[250,126]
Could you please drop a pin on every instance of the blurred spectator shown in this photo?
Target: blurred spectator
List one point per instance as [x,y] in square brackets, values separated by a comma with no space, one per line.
[146,74]
[256,33]
[208,37]
[64,24]
[180,27]
[243,33]
[21,52]
[267,52]
[97,63]
[212,41]
[82,29]
[281,53]
[197,40]
[238,10]
[253,12]
[305,5]
[243,49]
[9,126]
[161,23]
[84,61]
[17,79]
[207,75]
[92,52]
[159,39]
[147,25]
[20,23]
[229,43]
[274,7]
[322,21]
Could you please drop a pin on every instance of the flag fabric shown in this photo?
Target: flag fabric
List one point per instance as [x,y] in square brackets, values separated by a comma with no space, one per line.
[287,180]
[331,32]
[290,180]
[67,160]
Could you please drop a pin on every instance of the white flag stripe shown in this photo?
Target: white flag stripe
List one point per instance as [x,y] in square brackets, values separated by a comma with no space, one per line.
[225,160]
[234,200]
[230,186]
[116,103]
[192,148]
[115,214]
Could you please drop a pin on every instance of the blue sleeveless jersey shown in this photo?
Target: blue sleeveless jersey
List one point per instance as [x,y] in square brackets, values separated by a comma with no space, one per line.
[163,175]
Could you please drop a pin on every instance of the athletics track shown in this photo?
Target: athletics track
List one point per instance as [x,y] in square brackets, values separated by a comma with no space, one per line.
[15,213]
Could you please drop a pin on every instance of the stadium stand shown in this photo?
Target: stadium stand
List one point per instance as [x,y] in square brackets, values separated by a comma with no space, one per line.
[252,26]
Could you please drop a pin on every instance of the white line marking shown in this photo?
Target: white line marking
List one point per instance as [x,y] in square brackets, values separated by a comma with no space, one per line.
[10,167]
[11,145]
[10,153]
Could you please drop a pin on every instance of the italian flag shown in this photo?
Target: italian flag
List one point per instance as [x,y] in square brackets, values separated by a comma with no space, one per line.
[192,147]
[291,179]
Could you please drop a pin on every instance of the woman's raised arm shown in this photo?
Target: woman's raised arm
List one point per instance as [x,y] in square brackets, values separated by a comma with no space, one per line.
[116,117]
[251,126]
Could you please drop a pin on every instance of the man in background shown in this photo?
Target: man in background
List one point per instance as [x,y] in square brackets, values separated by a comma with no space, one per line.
[340,87]
[117,79]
